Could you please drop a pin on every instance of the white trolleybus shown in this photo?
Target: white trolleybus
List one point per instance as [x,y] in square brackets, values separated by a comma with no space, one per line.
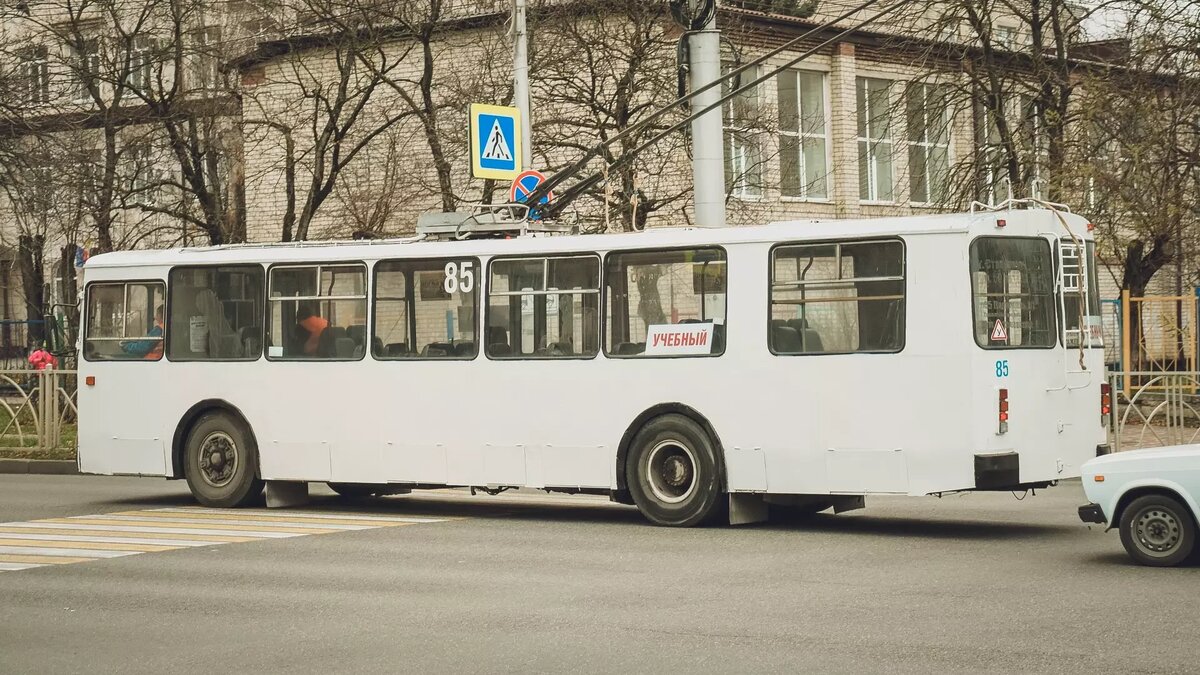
[691,372]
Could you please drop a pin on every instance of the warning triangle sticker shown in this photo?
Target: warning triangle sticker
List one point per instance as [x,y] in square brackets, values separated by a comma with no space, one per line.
[497,146]
[998,332]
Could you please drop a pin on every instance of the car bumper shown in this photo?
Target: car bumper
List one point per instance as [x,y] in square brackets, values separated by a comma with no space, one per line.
[1092,513]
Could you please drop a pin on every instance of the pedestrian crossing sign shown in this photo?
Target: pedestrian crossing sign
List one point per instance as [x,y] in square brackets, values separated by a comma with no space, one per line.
[495,142]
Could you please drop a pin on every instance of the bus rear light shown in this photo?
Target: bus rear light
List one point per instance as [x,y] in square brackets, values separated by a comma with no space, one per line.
[1003,411]
[1105,398]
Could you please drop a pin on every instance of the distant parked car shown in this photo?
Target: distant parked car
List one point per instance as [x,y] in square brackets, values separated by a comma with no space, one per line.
[1151,497]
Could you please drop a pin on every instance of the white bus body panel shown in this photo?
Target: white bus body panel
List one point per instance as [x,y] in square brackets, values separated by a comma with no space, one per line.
[904,423]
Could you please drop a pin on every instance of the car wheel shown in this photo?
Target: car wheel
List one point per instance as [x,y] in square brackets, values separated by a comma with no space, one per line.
[221,462]
[673,472]
[1157,530]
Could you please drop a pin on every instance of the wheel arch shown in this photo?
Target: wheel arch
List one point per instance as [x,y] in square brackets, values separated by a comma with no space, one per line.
[189,420]
[622,493]
[1133,493]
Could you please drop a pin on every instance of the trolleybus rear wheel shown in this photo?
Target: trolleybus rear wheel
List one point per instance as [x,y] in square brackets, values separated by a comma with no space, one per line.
[673,473]
[221,462]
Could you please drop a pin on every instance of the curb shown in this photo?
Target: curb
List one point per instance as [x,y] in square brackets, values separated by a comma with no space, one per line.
[39,466]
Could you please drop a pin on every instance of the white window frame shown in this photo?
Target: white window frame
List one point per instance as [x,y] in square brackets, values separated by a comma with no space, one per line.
[745,169]
[141,63]
[1014,110]
[35,75]
[206,67]
[927,145]
[87,61]
[800,135]
[876,144]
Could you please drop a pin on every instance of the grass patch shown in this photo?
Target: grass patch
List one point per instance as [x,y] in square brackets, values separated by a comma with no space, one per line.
[35,453]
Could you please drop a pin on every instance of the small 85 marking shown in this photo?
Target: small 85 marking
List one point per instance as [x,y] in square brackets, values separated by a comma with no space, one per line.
[1002,368]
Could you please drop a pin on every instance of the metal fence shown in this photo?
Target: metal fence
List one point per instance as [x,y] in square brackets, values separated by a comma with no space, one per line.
[38,409]
[1161,410]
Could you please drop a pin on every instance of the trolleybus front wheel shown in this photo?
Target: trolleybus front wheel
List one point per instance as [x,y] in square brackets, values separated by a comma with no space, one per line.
[221,462]
[673,473]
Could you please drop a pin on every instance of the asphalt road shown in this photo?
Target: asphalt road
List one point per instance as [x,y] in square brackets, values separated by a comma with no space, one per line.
[971,583]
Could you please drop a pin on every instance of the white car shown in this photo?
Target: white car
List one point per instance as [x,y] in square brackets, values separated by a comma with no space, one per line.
[1151,496]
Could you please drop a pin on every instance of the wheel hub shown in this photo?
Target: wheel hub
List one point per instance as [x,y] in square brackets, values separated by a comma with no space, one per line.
[671,470]
[1157,531]
[218,459]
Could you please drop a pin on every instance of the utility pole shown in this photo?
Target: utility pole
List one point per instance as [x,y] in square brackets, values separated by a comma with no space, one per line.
[521,81]
[708,141]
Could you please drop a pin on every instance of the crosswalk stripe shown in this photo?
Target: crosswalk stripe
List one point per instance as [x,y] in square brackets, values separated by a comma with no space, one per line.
[247,534]
[47,550]
[298,514]
[39,560]
[90,545]
[58,541]
[143,539]
[36,527]
[241,529]
[310,519]
[168,518]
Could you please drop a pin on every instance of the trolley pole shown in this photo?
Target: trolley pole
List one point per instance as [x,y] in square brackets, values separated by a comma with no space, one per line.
[521,81]
[708,145]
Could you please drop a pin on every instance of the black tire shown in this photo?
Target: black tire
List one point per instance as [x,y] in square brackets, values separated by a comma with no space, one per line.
[354,490]
[673,473]
[1157,530]
[221,462]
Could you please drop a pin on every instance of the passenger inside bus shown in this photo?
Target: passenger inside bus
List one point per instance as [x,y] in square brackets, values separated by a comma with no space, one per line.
[310,326]
[151,350]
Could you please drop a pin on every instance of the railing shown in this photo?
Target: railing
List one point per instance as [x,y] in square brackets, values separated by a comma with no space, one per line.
[38,410]
[1161,409]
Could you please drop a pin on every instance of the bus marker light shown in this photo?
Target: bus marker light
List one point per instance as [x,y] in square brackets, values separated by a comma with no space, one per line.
[1000,222]
[1091,226]
[90,380]
[1099,478]
[1003,411]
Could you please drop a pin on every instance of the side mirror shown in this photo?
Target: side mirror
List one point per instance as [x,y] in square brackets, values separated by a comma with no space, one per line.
[56,337]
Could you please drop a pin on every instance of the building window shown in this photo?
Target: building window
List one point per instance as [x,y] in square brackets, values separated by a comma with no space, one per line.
[743,138]
[146,176]
[1020,115]
[665,303]
[124,322]
[928,115]
[544,307]
[803,135]
[875,179]
[141,64]
[206,68]
[317,312]
[426,309]
[836,298]
[35,76]
[216,313]
[85,63]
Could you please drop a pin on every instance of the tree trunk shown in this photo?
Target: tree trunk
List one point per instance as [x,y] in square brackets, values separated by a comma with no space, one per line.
[70,293]
[29,258]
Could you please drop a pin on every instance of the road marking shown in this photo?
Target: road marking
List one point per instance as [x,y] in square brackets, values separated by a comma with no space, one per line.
[58,541]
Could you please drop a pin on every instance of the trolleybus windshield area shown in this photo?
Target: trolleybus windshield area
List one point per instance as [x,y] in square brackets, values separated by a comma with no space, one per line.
[657,368]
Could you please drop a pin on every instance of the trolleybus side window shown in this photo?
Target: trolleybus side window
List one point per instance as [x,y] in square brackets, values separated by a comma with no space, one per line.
[665,303]
[544,307]
[125,322]
[1012,286]
[1075,270]
[317,312]
[837,298]
[215,313]
[426,309]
